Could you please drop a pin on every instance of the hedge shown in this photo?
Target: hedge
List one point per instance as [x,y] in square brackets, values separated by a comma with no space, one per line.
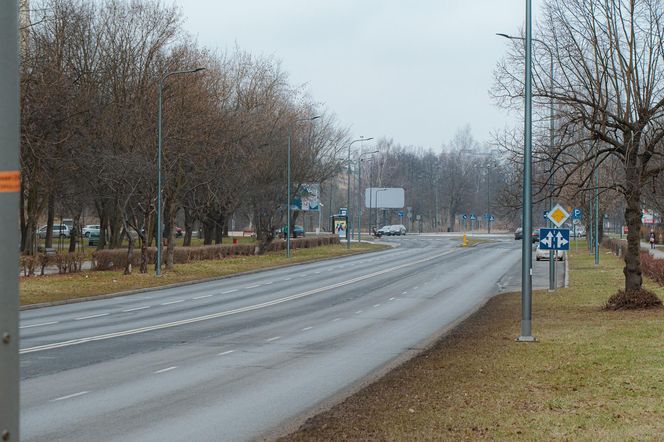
[651,267]
[117,258]
[66,262]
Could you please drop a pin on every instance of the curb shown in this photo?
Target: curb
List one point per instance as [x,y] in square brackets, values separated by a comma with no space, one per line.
[180,284]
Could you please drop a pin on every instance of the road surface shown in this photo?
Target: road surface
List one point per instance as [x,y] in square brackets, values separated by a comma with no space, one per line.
[241,358]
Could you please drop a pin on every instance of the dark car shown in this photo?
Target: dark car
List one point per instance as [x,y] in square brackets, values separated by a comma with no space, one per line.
[299,231]
[518,233]
[535,236]
[93,238]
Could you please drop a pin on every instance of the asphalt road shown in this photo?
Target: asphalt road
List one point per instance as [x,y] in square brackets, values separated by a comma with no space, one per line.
[242,358]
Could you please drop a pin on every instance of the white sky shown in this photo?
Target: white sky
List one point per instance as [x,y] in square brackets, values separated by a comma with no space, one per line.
[414,71]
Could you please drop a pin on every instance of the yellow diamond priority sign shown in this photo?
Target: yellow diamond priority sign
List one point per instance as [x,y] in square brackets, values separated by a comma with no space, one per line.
[558,215]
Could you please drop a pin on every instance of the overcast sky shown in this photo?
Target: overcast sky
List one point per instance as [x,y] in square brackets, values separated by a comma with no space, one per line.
[414,71]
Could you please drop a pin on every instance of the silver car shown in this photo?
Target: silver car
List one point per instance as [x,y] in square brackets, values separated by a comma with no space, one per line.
[397,229]
[60,230]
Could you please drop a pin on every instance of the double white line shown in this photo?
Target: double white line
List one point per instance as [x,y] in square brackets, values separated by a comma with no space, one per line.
[249,308]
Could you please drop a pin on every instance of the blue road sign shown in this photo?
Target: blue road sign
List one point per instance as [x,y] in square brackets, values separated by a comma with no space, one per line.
[546,212]
[487,216]
[554,239]
[464,216]
[473,217]
[343,211]
[577,214]
[492,218]
[400,214]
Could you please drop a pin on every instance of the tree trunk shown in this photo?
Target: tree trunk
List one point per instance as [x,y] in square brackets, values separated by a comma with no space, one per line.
[75,232]
[632,270]
[170,250]
[219,228]
[188,228]
[50,219]
[130,251]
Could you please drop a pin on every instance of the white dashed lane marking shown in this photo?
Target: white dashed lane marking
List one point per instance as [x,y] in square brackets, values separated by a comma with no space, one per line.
[80,393]
[228,291]
[173,302]
[376,305]
[307,328]
[253,286]
[91,316]
[273,339]
[39,325]
[164,370]
[224,353]
[202,297]
[136,308]
[358,312]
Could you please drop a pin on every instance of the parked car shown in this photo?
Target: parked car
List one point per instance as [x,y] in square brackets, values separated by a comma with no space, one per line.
[518,233]
[543,255]
[93,237]
[90,228]
[60,230]
[397,230]
[383,231]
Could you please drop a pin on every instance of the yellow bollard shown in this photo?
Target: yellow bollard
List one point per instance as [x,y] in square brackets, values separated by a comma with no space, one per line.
[465,240]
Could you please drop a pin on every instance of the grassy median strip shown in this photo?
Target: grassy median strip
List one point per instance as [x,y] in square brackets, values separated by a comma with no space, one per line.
[50,288]
[593,375]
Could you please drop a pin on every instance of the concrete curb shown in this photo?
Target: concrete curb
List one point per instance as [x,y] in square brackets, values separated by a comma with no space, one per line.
[181,284]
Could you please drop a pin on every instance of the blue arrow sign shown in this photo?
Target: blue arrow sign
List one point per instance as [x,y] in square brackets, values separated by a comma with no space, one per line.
[473,217]
[492,218]
[400,214]
[554,239]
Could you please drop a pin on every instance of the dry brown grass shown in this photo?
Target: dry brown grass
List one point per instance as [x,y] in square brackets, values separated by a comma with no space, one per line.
[593,375]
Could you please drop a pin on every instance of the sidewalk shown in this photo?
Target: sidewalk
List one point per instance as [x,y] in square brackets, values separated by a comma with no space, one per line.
[654,252]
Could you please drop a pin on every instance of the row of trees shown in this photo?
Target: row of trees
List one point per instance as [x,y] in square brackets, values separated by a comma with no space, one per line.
[89,90]
[607,86]
[462,178]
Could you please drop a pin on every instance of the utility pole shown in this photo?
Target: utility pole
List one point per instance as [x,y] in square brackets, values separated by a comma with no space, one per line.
[10,186]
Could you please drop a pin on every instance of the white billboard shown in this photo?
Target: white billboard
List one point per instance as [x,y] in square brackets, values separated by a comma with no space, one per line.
[384,198]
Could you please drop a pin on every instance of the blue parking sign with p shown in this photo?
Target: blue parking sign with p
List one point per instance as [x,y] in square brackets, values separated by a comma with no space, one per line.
[577,214]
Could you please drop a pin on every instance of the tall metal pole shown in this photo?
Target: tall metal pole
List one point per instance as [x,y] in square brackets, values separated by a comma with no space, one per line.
[526,244]
[596,214]
[159,223]
[288,203]
[158,262]
[9,207]
[348,215]
[488,199]
[552,261]
[359,199]
[289,200]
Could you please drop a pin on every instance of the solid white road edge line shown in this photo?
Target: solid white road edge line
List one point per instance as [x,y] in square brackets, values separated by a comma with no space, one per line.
[236,311]
[136,308]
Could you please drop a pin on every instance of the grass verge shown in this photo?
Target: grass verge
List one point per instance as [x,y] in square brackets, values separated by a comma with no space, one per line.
[593,374]
[52,288]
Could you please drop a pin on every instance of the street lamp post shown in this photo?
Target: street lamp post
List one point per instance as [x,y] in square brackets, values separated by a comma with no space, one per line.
[288,203]
[161,87]
[526,248]
[359,194]
[377,206]
[552,261]
[348,191]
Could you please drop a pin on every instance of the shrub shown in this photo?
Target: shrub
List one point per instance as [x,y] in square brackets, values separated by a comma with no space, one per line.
[633,300]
